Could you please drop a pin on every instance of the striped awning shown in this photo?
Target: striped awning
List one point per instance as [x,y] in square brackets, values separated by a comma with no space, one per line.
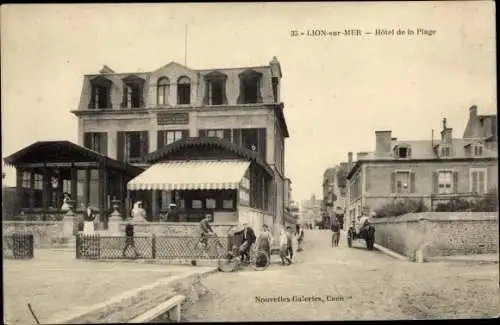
[191,175]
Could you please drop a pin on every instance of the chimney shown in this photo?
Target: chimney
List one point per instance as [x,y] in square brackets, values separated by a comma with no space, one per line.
[106,69]
[383,143]
[446,133]
[473,111]
[275,68]
[349,161]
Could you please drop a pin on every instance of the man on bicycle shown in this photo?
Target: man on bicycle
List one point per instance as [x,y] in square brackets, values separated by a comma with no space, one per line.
[206,229]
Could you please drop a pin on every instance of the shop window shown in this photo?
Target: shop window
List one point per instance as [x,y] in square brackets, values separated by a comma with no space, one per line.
[196,204]
[228,204]
[211,203]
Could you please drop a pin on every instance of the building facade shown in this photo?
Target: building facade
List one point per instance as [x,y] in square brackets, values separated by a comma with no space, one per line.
[335,190]
[433,171]
[311,210]
[124,119]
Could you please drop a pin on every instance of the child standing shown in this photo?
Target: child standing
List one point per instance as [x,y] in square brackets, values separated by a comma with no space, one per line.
[264,241]
[284,248]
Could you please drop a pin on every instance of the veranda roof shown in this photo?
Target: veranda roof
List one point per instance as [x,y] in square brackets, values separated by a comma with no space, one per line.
[191,175]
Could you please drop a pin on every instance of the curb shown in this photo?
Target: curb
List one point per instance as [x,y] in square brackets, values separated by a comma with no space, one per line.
[391,253]
[461,260]
[79,312]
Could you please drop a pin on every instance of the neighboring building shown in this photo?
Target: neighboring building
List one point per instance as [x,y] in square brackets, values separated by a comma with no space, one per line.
[334,189]
[290,217]
[431,170]
[130,117]
[311,210]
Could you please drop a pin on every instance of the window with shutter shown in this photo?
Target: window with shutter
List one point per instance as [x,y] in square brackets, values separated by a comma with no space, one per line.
[227,134]
[104,143]
[412,183]
[393,182]
[144,144]
[160,141]
[237,137]
[261,146]
[120,146]
[478,180]
[445,181]
[455,182]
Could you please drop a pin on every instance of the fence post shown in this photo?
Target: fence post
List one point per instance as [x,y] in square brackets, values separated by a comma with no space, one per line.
[153,246]
[77,245]
[98,246]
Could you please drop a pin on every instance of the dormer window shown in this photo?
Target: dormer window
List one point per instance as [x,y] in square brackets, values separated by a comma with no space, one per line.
[444,151]
[215,89]
[477,150]
[250,82]
[183,91]
[132,92]
[100,97]
[402,151]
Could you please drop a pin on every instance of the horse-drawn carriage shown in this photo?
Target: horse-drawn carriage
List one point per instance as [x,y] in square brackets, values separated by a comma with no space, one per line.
[366,232]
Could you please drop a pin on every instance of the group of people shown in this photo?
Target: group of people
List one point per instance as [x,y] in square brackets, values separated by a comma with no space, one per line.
[263,241]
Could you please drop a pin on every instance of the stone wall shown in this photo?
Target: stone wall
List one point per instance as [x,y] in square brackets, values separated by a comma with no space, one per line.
[172,229]
[46,234]
[439,233]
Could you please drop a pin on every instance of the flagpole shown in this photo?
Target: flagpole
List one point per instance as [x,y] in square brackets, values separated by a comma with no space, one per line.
[185,44]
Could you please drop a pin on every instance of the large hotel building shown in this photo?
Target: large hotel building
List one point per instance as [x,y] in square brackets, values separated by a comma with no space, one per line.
[207,140]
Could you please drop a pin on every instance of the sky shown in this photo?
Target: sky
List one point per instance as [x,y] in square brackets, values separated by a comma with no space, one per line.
[337,90]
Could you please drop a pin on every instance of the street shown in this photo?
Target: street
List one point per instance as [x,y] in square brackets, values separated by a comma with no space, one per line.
[344,283]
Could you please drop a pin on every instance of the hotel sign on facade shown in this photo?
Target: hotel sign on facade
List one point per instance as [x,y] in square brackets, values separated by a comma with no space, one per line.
[165,118]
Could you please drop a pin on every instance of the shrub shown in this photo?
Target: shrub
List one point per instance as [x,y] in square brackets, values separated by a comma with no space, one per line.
[401,207]
[454,205]
[487,203]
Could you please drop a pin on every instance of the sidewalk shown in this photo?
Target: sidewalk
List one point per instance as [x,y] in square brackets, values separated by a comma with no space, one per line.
[55,283]
[478,258]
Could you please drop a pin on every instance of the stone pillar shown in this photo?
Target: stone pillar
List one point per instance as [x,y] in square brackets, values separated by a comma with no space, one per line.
[74,185]
[86,187]
[115,219]
[32,190]
[46,188]
[19,190]
[60,190]
[69,224]
[154,208]
[101,202]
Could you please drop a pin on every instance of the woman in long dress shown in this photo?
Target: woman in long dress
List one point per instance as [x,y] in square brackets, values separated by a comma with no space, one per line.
[88,225]
[138,213]
[65,206]
[265,240]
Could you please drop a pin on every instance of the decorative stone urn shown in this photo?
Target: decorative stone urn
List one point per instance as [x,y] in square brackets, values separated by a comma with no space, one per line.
[115,219]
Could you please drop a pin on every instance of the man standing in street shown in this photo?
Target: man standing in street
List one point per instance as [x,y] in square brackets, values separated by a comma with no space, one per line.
[335,227]
[129,240]
[248,239]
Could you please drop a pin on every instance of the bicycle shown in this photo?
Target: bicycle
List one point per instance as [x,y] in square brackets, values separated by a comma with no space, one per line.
[229,260]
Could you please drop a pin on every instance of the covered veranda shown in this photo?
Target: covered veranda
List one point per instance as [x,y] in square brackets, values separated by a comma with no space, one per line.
[205,175]
[45,170]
